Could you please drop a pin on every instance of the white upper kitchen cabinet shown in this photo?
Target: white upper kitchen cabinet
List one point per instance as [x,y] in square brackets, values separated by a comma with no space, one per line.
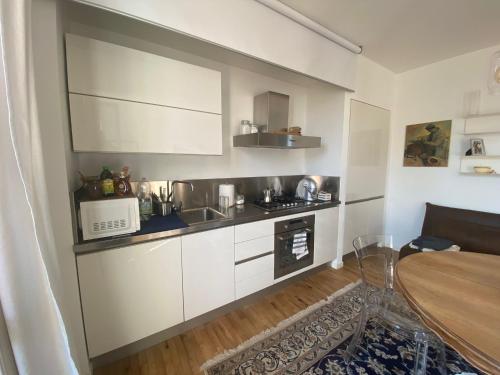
[126,100]
[325,235]
[130,293]
[208,270]
[108,70]
[101,124]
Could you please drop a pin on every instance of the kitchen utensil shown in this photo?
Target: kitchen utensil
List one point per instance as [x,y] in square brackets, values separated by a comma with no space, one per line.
[162,208]
[267,195]
[307,189]
[163,193]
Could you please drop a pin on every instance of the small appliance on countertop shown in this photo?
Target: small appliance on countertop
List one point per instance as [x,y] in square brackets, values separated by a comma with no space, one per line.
[307,189]
[109,217]
[227,191]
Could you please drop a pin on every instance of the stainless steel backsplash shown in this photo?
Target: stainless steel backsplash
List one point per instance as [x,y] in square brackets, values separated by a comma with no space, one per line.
[206,191]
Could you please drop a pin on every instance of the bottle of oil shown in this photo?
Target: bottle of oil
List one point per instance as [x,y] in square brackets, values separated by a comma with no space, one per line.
[145,200]
[107,184]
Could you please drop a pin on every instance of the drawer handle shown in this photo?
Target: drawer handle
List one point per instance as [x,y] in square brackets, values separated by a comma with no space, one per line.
[253,258]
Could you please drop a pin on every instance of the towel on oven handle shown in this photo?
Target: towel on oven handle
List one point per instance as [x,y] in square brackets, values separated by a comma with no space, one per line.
[299,247]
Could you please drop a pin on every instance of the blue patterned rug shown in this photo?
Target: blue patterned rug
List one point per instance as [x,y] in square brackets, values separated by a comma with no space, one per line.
[312,343]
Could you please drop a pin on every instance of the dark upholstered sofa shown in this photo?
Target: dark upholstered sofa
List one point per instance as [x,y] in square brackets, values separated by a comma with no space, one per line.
[474,231]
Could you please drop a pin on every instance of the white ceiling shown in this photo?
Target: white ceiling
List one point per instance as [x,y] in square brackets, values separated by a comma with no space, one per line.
[405,34]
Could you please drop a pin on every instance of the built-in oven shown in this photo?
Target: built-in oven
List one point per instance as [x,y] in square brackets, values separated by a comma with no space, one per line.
[293,245]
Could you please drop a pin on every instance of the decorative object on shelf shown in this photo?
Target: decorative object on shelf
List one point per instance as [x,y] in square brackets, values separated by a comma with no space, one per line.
[483,170]
[494,75]
[427,144]
[477,146]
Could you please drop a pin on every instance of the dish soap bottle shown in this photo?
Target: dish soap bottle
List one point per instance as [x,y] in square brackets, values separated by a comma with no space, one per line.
[107,184]
[145,200]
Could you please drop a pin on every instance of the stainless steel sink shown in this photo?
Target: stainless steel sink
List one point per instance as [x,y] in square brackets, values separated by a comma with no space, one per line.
[200,215]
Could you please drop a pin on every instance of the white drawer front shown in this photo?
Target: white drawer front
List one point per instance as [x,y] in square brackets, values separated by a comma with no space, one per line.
[250,231]
[252,248]
[254,275]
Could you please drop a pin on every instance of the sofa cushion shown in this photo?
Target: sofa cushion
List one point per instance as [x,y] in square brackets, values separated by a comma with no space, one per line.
[474,231]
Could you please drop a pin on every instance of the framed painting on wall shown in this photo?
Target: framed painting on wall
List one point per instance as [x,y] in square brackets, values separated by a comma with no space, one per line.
[427,144]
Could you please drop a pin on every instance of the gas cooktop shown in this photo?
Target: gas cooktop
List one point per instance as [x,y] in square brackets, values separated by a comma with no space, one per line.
[281,203]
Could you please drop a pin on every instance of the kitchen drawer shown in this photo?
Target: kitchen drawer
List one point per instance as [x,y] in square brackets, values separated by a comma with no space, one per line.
[250,231]
[252,248]
[254,275]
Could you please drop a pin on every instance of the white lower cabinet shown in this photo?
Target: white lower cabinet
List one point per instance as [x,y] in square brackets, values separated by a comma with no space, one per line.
[208,270]
[133,292]
[130,293]
[325,235]
[254,275]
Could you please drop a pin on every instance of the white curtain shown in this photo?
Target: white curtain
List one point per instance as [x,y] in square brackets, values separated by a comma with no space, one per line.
[35,327]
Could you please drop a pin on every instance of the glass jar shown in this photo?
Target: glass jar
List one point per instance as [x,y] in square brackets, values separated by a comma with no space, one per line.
[246,127]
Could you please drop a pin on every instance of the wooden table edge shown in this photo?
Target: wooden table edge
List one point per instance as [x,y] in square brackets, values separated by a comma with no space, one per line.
[486,364]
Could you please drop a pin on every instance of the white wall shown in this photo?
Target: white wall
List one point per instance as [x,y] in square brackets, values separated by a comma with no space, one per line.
[52,111]
[315,106]
[431,93]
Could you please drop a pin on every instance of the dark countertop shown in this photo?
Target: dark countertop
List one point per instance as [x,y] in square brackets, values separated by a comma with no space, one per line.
[237,215]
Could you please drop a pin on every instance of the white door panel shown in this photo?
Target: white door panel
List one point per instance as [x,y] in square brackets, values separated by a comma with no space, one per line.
[367,155]
[362,218]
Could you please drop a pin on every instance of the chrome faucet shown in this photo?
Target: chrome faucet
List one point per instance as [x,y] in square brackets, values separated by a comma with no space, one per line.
[170,198]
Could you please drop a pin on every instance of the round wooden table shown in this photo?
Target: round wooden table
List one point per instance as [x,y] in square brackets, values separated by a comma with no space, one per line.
[457,295]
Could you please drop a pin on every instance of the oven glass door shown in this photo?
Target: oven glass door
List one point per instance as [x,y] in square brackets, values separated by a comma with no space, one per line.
[286,260]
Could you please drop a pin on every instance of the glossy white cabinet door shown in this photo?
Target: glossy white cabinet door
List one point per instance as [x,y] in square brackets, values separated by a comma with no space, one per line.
[108,70]
[368,149]
[208,270]
[325,235]
[109,125]
[363,218]
[130,293]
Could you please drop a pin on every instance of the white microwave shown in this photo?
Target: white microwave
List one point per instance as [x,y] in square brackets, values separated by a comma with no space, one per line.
[109,217]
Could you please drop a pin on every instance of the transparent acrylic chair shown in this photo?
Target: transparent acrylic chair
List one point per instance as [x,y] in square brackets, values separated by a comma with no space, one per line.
[376,260]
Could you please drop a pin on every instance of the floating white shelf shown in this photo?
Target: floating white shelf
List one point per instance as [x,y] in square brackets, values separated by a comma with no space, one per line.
[481,157]
[485,124]
[479,174]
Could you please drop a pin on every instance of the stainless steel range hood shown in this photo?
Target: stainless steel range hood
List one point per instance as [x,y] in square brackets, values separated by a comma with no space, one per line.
[269,140]
[270,114]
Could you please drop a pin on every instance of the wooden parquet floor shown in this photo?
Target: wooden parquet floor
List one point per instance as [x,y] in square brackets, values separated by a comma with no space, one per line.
[184,354]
